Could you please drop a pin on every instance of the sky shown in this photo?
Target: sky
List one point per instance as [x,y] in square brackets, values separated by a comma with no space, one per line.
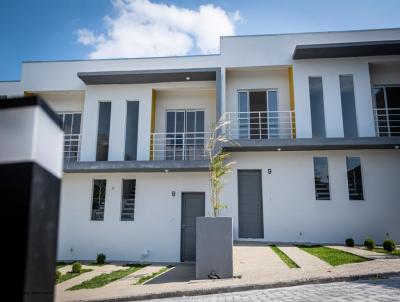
[34,30]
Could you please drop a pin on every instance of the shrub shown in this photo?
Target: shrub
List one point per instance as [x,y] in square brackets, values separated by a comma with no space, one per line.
[58,275]
[350,242]
[101,258]
[389,245]
[76,268]
[369,243]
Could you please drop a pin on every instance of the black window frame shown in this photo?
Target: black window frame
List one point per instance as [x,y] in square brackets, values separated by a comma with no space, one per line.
[318,185]
[93,214]
[133,204]
[359,183]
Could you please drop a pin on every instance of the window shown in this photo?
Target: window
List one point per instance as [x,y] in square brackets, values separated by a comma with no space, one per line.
[348,106]
[321,178]
[72,131]
[103,131]
[128,199]
[131,134]
[317,107]
[354,178]
[98,199]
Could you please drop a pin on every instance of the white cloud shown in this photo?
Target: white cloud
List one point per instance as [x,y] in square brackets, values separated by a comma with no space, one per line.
[142,28]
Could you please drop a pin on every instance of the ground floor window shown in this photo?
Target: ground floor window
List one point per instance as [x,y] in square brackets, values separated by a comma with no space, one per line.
[354,178]
[128,199]
[98,199]
[321,178]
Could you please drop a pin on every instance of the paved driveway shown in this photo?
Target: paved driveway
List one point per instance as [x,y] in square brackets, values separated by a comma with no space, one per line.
[366,290]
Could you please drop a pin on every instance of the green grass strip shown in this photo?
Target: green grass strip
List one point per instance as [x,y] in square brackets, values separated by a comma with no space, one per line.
[383,251]
[332,256]
[104,279]
[285,258]
[70,275]
[144,279]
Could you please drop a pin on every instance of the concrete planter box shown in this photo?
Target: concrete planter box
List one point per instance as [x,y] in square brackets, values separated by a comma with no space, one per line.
[214,247]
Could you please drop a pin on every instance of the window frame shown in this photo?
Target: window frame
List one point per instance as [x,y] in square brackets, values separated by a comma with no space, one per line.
[362,178]
[329,179]
[122,193]
[91,200]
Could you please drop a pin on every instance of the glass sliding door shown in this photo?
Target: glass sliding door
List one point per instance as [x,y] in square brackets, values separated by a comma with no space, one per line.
[185,134]
[273,118]
[387,110]
[243,120]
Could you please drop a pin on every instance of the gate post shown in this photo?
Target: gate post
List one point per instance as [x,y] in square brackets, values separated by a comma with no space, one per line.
[31,151]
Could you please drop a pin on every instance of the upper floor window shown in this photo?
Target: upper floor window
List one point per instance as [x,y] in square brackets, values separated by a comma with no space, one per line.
[321,178]
[98,199]
[131,133]
[103,131]
[128,199]
[348,106]
[387,110]
[354,178]
[72,131]
[317,107]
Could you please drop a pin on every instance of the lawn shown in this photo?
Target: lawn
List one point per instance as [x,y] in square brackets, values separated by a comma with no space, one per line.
[149,277]
[70,275]
[104,279]
[332,256]
[285,258]
[381,250]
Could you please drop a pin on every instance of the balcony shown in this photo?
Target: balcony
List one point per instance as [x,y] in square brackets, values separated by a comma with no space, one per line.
[387,121]
[179,146]
[72,147]
[260,125]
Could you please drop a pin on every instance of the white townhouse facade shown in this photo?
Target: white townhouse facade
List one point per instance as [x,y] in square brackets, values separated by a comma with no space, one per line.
[315,123]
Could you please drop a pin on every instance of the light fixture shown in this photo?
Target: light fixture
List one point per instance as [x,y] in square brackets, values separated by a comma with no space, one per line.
[396,147]
[187,78]
[166,171]
[279,149]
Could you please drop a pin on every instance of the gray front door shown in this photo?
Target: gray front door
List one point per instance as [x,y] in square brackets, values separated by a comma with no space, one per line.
[250,204]
[192,207]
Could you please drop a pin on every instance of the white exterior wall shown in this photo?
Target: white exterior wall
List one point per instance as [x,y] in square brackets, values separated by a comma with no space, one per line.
[290,207]
[65,101]
[385,74]
[329,70]
[11,88]
[257,79]
[203,99]
[156,226]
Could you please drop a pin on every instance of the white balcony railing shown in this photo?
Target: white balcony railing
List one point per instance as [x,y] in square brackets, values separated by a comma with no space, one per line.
[179,146]
[387,121]
[72,147]
[260,124]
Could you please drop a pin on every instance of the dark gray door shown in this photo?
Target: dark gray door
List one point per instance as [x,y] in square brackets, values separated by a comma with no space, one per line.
[250,204]
[192,207]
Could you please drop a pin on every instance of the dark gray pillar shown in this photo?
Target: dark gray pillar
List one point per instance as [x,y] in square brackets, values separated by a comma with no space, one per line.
[214,247]
[31,151]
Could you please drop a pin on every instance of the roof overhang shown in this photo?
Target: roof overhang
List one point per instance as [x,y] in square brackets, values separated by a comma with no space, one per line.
[137,166]
[148,76]
[342,50]
[309,144]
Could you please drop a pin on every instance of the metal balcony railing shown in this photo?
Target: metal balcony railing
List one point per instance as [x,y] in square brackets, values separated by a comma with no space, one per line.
[387,121]
[179,146]
[260,124]
[72,147]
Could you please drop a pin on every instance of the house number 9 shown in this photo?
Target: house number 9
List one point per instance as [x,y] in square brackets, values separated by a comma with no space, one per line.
[269,171]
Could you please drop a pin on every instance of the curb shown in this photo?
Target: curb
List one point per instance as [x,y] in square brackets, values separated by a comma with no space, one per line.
[237,288]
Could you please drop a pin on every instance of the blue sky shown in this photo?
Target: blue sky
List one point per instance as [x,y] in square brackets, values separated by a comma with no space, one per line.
[76,29]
